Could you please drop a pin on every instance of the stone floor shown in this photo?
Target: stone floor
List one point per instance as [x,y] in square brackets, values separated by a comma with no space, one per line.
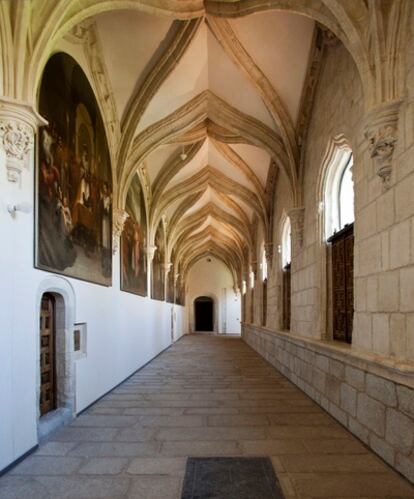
[205,396]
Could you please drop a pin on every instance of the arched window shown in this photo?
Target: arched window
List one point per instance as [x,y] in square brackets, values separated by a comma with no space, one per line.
[286,243]
[338,201]
[264,265]
[339,193]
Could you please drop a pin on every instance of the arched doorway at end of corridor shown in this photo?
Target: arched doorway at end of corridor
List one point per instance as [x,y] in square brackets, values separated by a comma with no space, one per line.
[204,313]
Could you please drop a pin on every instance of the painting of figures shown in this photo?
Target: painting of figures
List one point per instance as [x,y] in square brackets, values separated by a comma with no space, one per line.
[134,243]
[74,195]
[158,269]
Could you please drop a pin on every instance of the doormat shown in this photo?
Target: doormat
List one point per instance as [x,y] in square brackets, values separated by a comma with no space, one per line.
[231,478]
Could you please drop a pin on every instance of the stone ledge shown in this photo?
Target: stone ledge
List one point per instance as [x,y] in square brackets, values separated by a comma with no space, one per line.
[388,368]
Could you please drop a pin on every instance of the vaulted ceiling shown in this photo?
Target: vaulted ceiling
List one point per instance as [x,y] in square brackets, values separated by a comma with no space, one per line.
[206,111]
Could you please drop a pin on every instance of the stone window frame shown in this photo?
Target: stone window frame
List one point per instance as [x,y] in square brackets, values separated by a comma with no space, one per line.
[286,242]
[337,161]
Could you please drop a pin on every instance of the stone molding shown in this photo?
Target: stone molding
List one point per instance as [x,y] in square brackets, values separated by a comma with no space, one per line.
[297,216]
[118,221]
[381,130]
[18,124]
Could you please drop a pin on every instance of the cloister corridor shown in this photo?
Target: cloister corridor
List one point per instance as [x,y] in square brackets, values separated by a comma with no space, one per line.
[204,396]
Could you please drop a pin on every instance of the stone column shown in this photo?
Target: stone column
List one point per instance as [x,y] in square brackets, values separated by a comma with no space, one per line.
[18,124]
[150,252]
[296,216]
[381,130]
[119,217]
[167,269]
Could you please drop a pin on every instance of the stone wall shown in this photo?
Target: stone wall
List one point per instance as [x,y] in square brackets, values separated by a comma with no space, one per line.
[373,399]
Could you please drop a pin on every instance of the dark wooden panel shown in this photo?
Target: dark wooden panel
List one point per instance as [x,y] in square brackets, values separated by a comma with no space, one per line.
[343,283]
[264,303]
[47,355]
[286,296]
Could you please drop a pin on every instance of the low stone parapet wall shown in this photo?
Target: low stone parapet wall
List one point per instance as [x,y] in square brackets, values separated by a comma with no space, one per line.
[372,397]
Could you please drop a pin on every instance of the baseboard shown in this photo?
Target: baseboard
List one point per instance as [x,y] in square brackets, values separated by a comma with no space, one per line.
[18,460]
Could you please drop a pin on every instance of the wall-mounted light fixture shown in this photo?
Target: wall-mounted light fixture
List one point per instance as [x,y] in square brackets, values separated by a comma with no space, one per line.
[23,207]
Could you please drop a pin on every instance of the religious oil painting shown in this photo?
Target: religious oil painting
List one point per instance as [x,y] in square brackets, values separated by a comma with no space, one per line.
[74,195]
[158,268]
[134,243]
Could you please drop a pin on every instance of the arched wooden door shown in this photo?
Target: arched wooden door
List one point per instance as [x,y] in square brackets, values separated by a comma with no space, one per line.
[47,355]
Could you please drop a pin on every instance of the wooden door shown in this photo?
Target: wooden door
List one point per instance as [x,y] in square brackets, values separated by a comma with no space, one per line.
[286,296]
[47,355]
[343,283]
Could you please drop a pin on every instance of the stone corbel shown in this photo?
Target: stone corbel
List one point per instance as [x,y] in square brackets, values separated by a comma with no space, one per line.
[381,130]
[297,216]
[167,268]
[119,217]
[150,253]
[268,248]
[18,124]
[254,267]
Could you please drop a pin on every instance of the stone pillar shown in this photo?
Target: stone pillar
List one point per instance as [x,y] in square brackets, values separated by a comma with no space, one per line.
[296,216]
[18,124]
[119,217]
[167,270]
[150,252]
[381,130]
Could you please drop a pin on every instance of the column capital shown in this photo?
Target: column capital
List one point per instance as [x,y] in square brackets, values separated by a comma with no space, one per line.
[381,131]
[167,267]
[150,251]
[119,217]
[268,248]
[18,124]
[297,216]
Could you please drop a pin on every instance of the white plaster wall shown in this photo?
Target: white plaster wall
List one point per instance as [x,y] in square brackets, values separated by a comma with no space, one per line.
[124,331]
[214,279]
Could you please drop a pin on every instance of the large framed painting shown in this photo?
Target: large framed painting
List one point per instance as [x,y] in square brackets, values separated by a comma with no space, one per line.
[134,242]
[158,269]
[74,182]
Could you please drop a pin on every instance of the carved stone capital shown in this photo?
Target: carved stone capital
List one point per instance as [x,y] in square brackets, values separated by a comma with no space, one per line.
[297,216]
[167,267]
[381,130]
[119,217]
[150,253]
[254,268]
[176,277]
[18,124]
[268,248]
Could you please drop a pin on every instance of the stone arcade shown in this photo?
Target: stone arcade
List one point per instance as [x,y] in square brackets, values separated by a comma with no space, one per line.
[244,167]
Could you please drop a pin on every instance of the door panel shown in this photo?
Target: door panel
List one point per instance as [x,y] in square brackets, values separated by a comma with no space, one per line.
[47,355]
[286,296]
[343,283]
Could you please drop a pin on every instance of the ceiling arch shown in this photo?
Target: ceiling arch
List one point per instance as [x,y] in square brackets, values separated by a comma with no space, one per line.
[208,167]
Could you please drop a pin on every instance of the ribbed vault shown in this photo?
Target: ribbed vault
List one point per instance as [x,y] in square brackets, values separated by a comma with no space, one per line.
[209,117]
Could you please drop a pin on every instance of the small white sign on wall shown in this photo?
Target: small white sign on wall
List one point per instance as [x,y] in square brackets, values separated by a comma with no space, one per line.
[79,340]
